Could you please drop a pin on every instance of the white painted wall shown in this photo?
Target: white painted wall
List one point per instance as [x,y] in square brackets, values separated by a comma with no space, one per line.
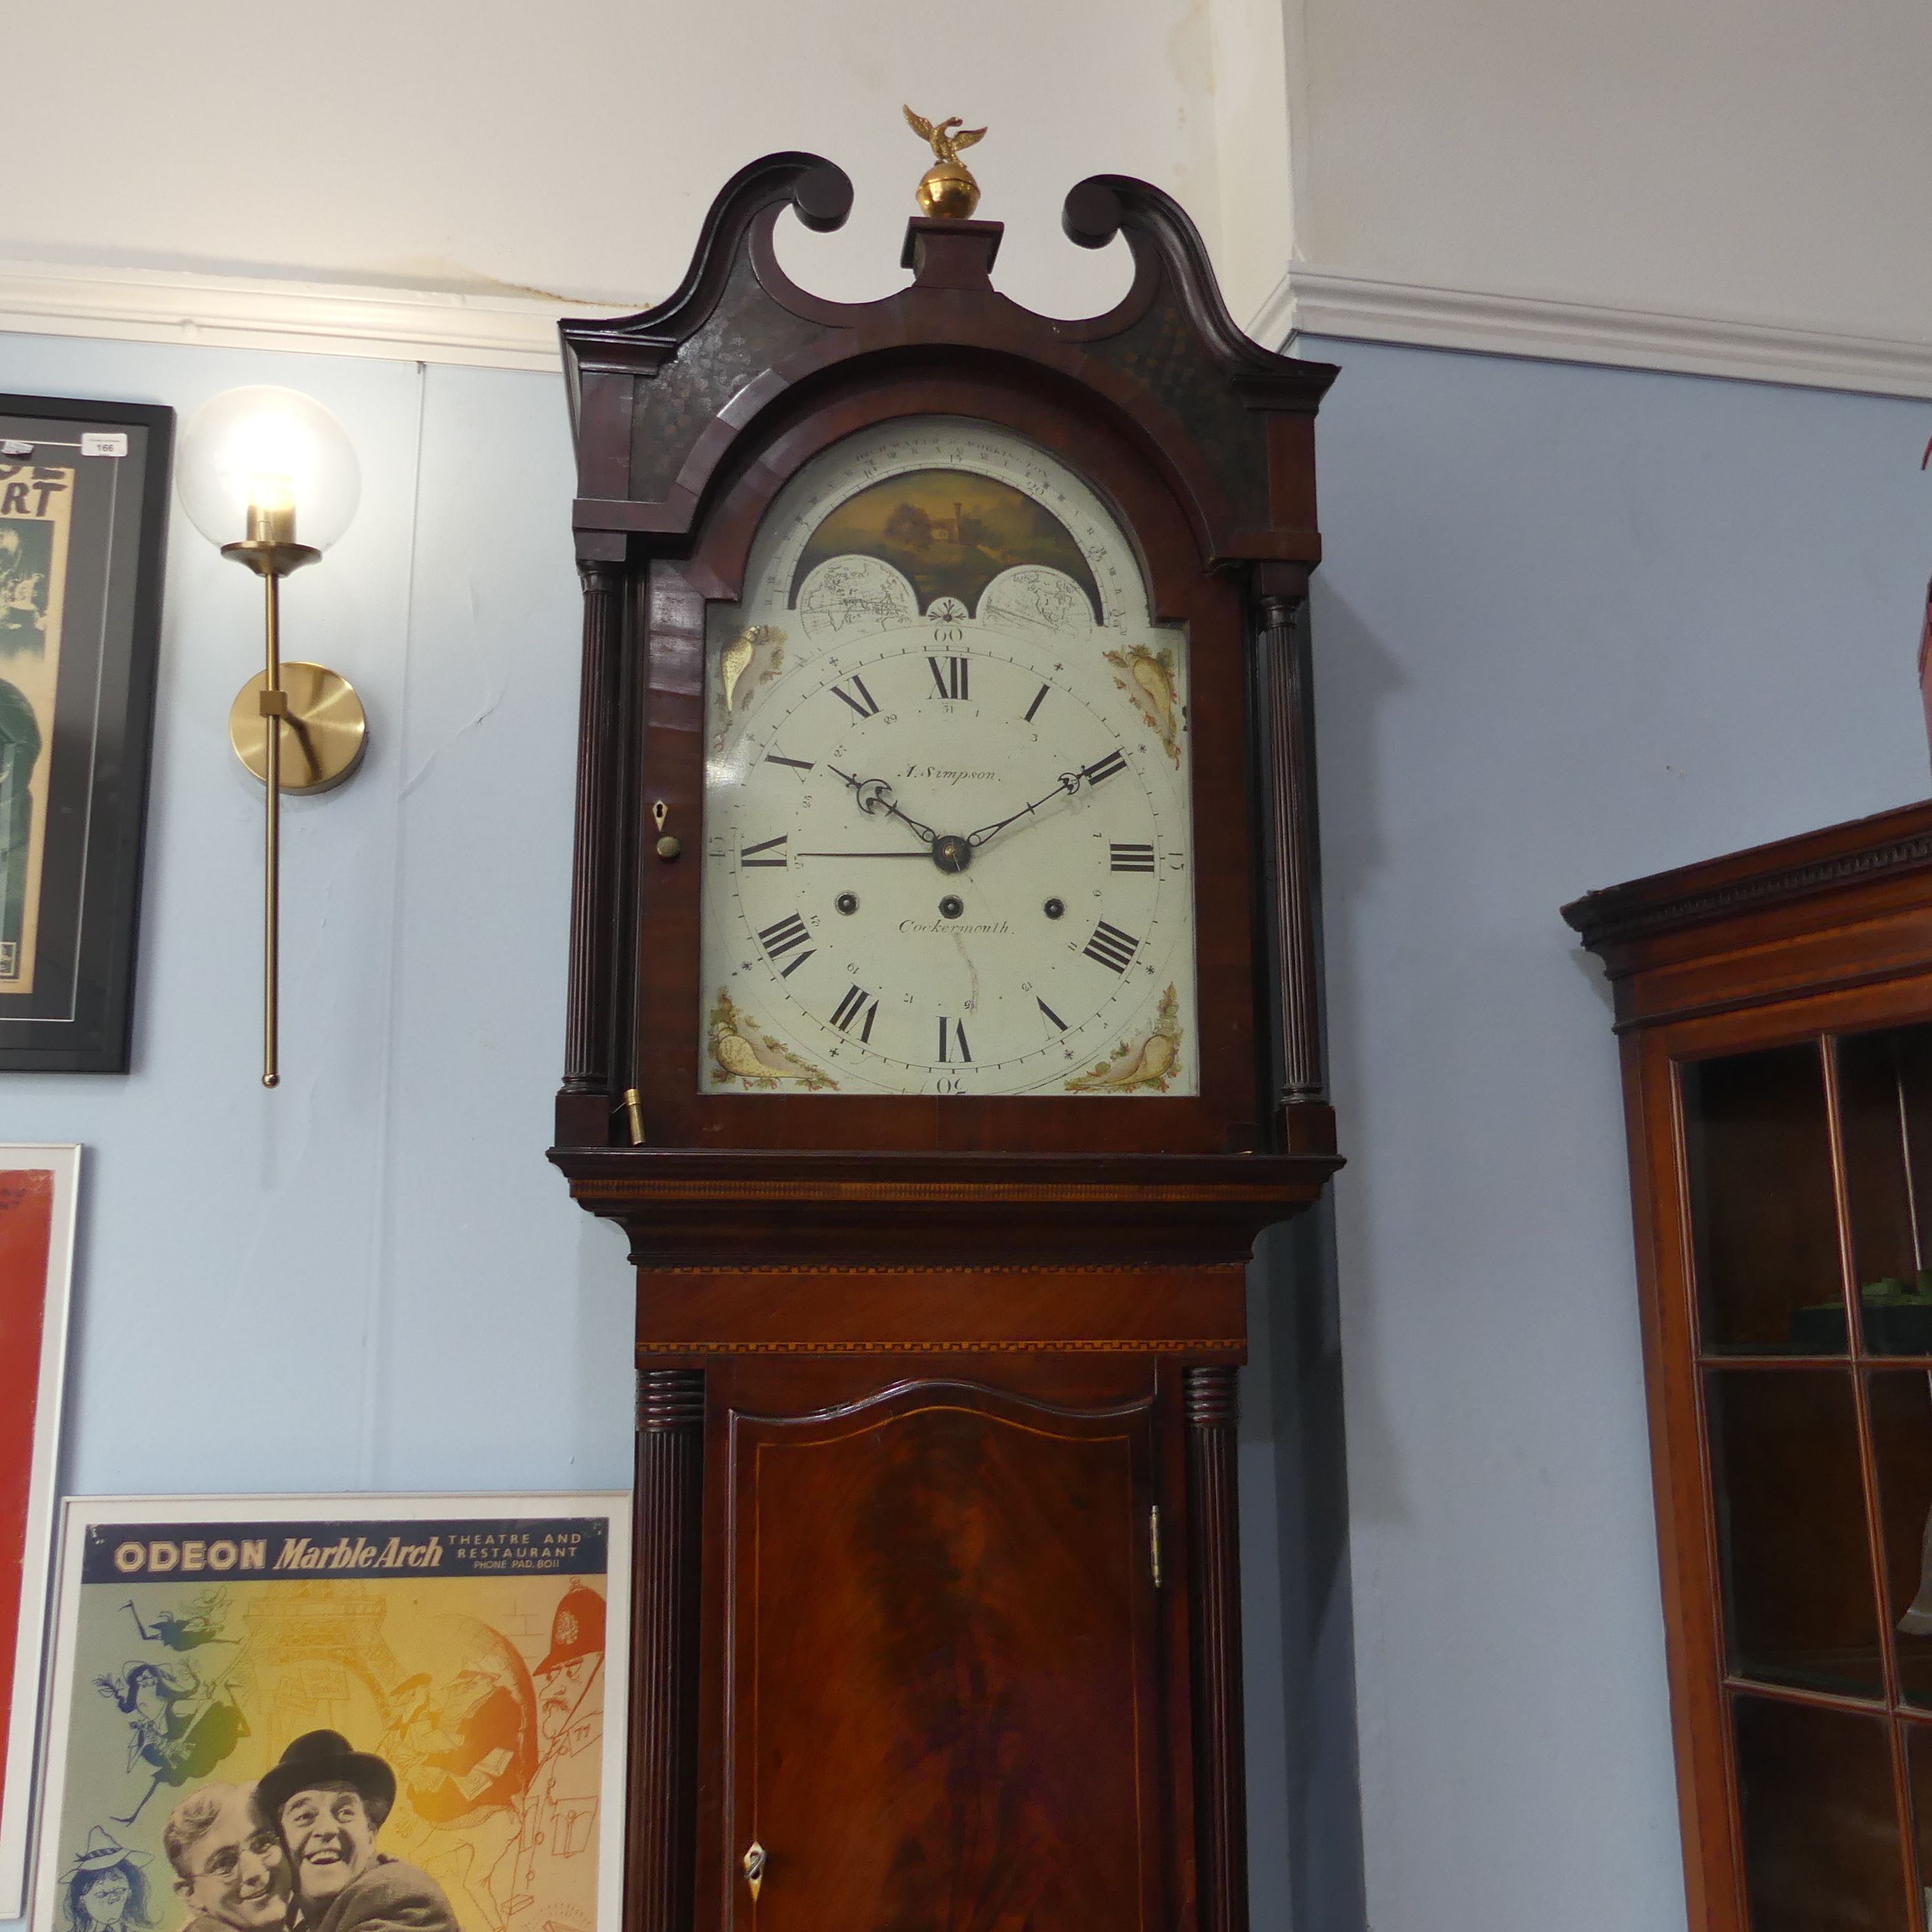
[468,144]
[1763,159]
[1574,625]
[1761,163]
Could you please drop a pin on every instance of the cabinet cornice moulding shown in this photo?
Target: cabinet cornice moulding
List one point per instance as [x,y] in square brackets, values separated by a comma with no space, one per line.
[483,330]
[1311,300]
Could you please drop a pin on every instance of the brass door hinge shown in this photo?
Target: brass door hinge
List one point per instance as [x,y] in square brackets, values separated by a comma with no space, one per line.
[1153,1541]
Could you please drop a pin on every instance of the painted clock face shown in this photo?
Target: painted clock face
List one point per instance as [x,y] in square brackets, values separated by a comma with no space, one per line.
[948,838]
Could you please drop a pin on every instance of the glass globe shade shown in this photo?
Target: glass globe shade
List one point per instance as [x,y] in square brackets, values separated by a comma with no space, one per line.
[270,448]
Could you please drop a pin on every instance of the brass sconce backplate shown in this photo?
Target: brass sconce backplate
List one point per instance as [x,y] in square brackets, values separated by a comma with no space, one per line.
[327,735]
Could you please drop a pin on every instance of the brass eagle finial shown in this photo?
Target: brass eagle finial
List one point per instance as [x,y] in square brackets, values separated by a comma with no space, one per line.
[947,189]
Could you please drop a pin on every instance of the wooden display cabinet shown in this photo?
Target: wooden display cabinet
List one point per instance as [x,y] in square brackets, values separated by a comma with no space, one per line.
[1775,1009]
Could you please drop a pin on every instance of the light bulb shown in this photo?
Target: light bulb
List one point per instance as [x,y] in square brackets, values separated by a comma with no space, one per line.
[271,507]
[268,463]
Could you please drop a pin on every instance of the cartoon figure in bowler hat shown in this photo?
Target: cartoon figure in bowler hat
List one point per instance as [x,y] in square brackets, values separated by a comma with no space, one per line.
[330,1801]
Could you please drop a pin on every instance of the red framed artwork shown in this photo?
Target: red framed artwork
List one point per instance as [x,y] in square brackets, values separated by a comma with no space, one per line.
[37,1213]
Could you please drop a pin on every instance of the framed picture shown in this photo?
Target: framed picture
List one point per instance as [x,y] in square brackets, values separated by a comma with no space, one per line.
[37,1203]
[83,518]
[322,1710]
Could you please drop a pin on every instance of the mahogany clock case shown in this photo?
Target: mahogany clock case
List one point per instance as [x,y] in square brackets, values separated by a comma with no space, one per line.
[937,1580]
[689,421]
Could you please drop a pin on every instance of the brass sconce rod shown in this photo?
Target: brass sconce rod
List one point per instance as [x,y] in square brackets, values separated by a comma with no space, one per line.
[274,707]
[271,561]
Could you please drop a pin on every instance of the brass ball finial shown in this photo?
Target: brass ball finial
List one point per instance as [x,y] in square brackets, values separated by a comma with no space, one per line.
[947,189]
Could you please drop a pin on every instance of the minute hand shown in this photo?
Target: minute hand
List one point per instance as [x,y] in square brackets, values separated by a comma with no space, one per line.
[1069,783]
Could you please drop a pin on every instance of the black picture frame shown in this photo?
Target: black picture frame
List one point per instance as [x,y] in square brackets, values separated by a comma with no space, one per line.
[83,532]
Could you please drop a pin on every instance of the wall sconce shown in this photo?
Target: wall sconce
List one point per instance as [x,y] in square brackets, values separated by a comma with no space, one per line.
[250,460]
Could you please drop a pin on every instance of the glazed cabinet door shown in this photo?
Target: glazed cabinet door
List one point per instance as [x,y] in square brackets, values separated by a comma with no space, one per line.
[1797,1298]
[941,1694]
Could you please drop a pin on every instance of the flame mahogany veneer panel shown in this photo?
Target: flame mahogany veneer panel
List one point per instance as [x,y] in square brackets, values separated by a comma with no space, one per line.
[944,1707]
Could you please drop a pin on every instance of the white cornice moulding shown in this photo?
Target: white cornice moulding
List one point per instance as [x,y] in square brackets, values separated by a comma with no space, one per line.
[508,331]
[486,331]
[1314,301]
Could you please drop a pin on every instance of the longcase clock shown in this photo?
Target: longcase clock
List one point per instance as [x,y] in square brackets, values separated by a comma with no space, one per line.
[942,1031]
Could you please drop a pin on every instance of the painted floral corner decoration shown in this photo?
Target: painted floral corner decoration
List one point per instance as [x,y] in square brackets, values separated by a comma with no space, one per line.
[758,1060]
[753,658]
[1151,1060]
[1147,678]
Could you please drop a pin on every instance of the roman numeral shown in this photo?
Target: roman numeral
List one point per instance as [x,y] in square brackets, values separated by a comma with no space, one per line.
[1105,769]
[864,703]
[1111,946]
[1131,858]
[1039,698]
[745,858]
[951,681]
[781,938]
[965,1053]
[796,764]
[1049,1013]
[849,1009]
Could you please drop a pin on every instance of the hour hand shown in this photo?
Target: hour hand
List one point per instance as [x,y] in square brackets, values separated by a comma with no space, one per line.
[875,795]
[1069,783]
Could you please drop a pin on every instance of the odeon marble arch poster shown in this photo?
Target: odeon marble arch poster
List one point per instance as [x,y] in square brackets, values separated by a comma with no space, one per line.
[277,1715]
[37,1218]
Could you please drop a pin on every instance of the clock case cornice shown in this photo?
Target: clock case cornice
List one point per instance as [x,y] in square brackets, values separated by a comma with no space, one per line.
[659,399]
[688,418]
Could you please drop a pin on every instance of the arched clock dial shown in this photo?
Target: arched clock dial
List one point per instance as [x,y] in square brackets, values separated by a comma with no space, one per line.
[948,834]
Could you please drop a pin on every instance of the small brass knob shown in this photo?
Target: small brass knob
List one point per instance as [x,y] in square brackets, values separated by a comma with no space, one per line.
[668,847]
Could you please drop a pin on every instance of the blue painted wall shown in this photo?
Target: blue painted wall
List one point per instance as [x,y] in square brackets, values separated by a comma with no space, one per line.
[369,1278]
[1575,624]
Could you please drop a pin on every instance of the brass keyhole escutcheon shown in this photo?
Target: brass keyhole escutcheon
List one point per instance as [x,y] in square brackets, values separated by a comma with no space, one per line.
[754,1868]
[668,847]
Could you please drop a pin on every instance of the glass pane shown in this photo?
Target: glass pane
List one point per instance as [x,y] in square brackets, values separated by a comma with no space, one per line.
[1884,1100]
[1919,1766]
[1791,1529]
[1822,1850]
[1762,1213]
[1901,1420]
